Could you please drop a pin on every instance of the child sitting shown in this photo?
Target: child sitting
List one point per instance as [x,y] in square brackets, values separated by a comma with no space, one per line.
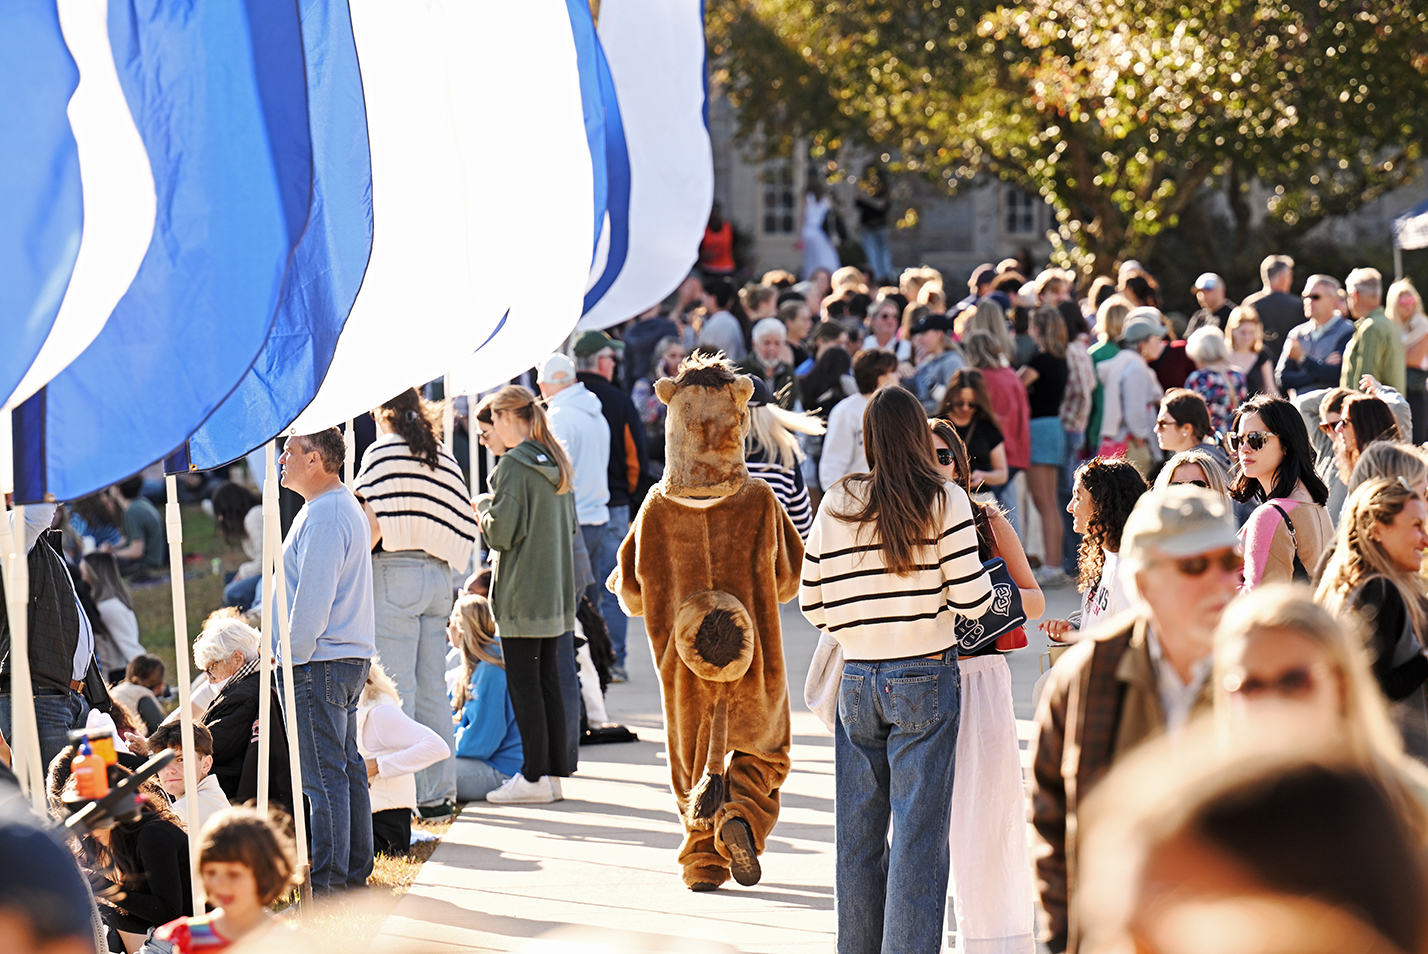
[488,744]
[143,677]
[395,747]
[210,794]
[246,864]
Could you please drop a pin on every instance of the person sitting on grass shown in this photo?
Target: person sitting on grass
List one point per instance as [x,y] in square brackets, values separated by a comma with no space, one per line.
[143,680]
[246,864]
[395,747]
[210,794]
[488,744]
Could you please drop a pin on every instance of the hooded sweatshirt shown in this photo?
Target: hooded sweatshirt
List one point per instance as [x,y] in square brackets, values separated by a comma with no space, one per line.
[530,528]
[578,420]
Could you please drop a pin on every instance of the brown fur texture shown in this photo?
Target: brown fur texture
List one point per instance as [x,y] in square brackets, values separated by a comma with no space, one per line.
[708,579]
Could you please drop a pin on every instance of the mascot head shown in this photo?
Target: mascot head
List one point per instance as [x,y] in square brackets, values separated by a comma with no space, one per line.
[704,434]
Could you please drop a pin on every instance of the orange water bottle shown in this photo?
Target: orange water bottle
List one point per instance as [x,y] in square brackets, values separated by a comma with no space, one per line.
[91,776]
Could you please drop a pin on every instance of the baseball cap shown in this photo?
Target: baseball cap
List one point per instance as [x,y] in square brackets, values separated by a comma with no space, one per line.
[557,369]
[589,342]
[1142,323]
[1208,281]
[1182,520]
[984,274]
[930,323]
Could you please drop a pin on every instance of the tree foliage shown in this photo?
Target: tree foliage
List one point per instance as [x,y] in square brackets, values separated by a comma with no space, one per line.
[1115,111]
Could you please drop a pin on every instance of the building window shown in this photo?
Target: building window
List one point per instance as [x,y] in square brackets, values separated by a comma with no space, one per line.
[778,208]
[1021,211]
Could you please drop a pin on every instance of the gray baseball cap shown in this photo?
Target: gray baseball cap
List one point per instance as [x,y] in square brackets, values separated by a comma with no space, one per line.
[1142,323]
[1182,520]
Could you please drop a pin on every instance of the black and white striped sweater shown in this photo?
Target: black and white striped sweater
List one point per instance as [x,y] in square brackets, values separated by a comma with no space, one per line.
[418,508]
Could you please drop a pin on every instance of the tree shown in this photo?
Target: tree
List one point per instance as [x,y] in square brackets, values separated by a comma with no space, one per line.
[1115,111]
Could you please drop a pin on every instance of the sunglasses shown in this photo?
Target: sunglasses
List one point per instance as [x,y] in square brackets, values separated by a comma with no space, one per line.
[1255,439]
[1197,483]
[962,405]
[1298,681]
[944,457]
[1328,427]
[1161,423]
[1196,566]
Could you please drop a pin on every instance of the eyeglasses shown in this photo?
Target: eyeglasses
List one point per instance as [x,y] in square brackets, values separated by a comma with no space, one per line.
[1161,423]
[1196,566]
[1342,423]
[1255,439]
[944,457]
[1197,483]
[1299,681]
[1328,427]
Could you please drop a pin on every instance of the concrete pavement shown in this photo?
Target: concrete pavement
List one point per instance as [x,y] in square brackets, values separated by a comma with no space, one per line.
[597,871]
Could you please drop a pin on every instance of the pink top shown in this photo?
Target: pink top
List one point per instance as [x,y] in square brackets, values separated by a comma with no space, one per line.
[1013,413]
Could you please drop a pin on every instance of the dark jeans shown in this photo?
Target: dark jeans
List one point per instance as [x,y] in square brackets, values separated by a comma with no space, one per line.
[615,531]
[533,667]
[242,593]
[55,715]
[570,698]
[334,775]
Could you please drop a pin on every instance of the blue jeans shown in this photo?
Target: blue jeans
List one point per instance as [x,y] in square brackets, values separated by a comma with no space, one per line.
[875,244]
[55,715]
[893,754]
[615,530]
[412,595]
[476,778]
[334,775]
[242,593]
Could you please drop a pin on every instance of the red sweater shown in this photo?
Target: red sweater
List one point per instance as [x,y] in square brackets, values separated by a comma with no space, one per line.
[1013,413]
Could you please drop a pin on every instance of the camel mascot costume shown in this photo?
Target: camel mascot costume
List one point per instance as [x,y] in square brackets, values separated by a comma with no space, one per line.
[708,560]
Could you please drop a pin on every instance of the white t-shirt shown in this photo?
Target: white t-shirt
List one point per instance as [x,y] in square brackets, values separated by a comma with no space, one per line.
[1110,595]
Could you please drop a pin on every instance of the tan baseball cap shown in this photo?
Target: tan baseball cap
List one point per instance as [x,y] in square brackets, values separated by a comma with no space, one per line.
[1182,520]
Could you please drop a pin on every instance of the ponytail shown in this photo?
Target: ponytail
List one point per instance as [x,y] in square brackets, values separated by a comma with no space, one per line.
[518,400]
[414,421]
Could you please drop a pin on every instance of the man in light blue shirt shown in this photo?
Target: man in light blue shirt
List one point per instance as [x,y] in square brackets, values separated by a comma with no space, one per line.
[1313,354]
[327,562]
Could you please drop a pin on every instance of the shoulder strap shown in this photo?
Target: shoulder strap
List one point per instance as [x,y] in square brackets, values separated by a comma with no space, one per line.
[1300,573]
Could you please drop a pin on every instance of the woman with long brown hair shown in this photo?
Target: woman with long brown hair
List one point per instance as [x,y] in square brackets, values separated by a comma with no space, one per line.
[422,528]
[529,522]
[890,564]
[1375,572]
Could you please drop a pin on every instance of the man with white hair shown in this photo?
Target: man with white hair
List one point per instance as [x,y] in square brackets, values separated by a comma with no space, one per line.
[1377,345]
[1142,674]
[578,421]
[1313,355]
[766,361]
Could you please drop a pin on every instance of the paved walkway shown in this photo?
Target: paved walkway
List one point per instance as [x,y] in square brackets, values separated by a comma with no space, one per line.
[598,869]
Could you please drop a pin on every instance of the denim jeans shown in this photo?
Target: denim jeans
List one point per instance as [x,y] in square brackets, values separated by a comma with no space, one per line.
[570,697]
[875,244]
[242,593]
[1006,498]
[476,778]
[55,715]
[334,775]
[595,541]
[615,530]
[412,594]
[894,753]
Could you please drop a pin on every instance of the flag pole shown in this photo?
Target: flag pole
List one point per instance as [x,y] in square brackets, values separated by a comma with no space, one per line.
[280,619]
[448,414]
[182,677]
[265,650]
[25,758]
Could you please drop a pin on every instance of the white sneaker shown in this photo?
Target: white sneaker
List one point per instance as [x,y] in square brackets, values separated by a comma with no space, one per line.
[517,791]
[555,788]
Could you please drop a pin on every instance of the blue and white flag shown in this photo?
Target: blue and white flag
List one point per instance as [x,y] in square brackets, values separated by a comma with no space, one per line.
[655,50]
[218,93]
[1410,230]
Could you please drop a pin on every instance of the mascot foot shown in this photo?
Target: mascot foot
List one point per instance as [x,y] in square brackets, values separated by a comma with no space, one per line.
[743,859]
[704,886]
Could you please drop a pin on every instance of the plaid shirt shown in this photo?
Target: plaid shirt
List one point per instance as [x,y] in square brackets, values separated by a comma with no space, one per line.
[1080,384]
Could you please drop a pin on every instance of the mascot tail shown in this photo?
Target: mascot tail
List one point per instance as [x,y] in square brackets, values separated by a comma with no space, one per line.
[715,637]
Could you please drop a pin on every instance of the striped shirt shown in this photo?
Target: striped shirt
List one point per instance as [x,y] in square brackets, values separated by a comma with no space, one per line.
[848,593]
[418,508]
[790,490]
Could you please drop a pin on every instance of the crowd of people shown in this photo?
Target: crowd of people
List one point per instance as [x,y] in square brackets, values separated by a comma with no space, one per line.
[1238,497]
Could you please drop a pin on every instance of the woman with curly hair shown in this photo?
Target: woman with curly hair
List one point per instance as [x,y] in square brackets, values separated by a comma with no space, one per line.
[1102,497]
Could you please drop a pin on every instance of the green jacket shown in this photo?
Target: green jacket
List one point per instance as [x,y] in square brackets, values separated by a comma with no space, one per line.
[1377,349]
[1101,351]
[531,529]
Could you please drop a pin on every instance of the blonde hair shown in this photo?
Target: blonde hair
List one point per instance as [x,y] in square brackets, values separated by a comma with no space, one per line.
[518,400]
[1358,557]
[379,684]
[1241,315]
[992,318]
[477,628]
[1390,301]
[1111,317]
[1391,460]
[1369,737]
[772,429]
[1215,474]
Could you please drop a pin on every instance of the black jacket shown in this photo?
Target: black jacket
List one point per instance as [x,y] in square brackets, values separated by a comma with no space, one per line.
[53,618]
[628,457]
[231,720]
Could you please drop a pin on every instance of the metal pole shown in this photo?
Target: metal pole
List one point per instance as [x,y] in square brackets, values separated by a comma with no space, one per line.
[26,761]
[280,617]
[265,651]
[181,651]
[476,450]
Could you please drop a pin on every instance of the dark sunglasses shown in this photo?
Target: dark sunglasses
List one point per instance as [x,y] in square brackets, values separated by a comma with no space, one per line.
[962,405]
[1255,440]
[1328,428]
[1197,483]
[1196,566]
[1162,423]
[944,457]
[1292,682]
